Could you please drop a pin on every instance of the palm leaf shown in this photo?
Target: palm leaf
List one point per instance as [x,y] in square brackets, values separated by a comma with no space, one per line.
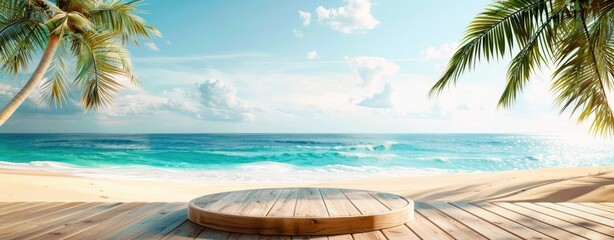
[120,17]
[56,86]
[503,25]
[101,62]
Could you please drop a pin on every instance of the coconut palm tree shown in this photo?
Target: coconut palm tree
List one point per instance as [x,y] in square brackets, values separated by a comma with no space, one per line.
[93,34]
[574,37]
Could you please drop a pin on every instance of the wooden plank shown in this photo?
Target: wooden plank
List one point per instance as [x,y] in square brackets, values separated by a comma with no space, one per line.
[400,232]
[260,203]
[570,218]
[579,213]
[477,224]
[558,223]
[8,206]
[43,219]
[375,235]
[186,231]
[107,227]
[136,227]
[588,209]
[426,229]
[534,224]
[3,203]
[341,237]
[19,207]
[448,224]
[607,204]
[310,203]
[26,214]
[203,202]
[309,238]
[231,202]
[501,222]
[266,237]
[67,230]
[159,229]
[285,204]
[43,228]
[212,234]
[364,202]
[391,201]
[337,203]
[599,206]
[238,236]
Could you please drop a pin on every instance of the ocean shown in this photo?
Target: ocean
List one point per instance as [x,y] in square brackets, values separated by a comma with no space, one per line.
[294,157]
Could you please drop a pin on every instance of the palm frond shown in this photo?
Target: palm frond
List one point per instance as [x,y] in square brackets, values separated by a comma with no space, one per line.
[121,17]
[20,41]
[56,86]
[535,52]
[102,60]
[583,77]
[492,33]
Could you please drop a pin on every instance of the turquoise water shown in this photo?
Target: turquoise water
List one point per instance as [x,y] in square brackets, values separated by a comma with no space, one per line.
[294,157]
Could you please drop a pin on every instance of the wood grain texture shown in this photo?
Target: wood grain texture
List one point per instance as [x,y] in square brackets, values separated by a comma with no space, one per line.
[433,220]
[301,211]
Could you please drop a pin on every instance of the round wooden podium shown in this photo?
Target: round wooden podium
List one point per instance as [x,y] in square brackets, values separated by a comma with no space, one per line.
[300,211]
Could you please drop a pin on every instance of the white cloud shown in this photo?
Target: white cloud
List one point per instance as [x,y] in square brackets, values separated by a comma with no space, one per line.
[372,69]
[445,51]
[136,104]
[7,90]
[306,17]
[382,99]
[312,54]
[355,16]
[297,33]
[220,102]
[152,46]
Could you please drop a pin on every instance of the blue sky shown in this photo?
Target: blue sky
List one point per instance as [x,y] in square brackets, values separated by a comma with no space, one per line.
[302,66]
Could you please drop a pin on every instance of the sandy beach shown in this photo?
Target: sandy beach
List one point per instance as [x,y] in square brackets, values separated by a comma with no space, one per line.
[578,184]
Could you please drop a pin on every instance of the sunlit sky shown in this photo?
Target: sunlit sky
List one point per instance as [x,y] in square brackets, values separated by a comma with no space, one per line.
[303,66]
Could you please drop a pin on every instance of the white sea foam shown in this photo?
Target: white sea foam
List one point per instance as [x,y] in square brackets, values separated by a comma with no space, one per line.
[252,172]
[366,155]
[366,147]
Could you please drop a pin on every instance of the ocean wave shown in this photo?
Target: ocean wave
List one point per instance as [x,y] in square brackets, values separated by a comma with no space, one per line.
[367,147]
[251,172]
[366,155]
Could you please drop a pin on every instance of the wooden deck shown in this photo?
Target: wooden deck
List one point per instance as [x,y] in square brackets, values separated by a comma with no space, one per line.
[433,220]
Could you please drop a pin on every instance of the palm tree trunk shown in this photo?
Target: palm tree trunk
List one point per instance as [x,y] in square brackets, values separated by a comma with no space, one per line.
[43,65]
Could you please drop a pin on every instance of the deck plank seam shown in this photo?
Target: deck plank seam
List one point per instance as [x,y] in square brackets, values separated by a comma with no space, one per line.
[325,205]
[274,202]
[561,219]
[434,224]
[598,206]
[587,213]
[106,220]
[583,208]
[592,221]
[352,202]
[605,204]
[111,207]
[456,220]
[603,207]
[528,217]
[535,219]
[414,232]
[377,199]
[485,220]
